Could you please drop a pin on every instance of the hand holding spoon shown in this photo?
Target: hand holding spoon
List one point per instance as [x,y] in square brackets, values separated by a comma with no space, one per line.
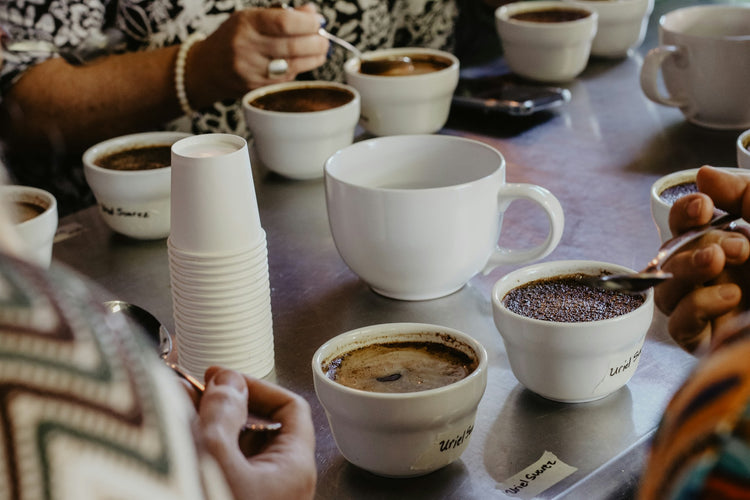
[159,334]
[653,274]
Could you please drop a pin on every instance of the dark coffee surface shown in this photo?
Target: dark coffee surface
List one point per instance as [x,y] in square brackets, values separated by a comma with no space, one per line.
[142,158]
[673,193]
[568,299]
[303,99]
[21,211]
[399,367]
[420,64]
[557,15]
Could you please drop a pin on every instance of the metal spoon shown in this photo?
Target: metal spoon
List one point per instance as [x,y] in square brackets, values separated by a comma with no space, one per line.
[652,274]
[161,338]
[379,66]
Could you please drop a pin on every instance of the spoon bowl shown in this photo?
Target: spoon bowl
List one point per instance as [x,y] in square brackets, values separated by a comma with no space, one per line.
[653,274]
[159,335]
[393,64]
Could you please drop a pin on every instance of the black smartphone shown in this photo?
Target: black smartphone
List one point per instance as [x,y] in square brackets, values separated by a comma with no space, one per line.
[498,94]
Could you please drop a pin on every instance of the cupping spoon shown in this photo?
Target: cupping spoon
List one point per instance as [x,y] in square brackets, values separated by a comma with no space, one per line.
[159,334]
[372,66]
[653,274]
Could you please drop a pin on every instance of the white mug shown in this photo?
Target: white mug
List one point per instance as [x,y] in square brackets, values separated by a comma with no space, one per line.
[417,216]
[704,59]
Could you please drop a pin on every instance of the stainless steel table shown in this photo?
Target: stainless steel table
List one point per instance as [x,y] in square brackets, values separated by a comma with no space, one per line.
[599,155]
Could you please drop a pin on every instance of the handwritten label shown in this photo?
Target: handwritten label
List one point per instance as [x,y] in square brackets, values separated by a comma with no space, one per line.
[121,212]
[446,448]
[631,362]
[534,479]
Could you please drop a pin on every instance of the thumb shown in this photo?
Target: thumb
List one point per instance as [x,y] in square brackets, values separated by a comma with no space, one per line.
[223,410]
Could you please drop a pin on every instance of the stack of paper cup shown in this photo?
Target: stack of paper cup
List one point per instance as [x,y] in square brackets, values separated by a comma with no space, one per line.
[218,259]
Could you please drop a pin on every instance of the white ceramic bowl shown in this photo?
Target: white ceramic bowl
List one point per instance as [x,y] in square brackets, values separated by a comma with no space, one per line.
[410,104]
[622,25]
[297,144]
[36,234]
[743,150]
[135,203]
[546,52]
[401,434]
[570,362]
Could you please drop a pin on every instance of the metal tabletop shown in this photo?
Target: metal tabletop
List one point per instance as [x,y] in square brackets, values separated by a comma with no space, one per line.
[599,155]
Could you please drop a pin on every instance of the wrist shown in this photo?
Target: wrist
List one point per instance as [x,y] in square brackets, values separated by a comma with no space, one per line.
[180,71]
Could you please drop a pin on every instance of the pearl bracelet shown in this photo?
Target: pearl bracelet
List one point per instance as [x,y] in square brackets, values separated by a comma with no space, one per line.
[179,71]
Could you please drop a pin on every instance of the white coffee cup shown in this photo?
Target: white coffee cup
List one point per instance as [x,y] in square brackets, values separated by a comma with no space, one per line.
[296,144]
[660,206]
[570,361]
[132,202]
[402,434]
[621,27]
[416,216]
[743,150]
[408,104]
[704,60]
[37,225]
[546,51]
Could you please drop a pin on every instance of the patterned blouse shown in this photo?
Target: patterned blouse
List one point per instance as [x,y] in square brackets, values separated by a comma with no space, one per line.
[86,409]
[150,24]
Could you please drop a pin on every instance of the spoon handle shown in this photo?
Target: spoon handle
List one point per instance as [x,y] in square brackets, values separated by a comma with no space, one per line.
[340,41]
[670,247]
[253,422]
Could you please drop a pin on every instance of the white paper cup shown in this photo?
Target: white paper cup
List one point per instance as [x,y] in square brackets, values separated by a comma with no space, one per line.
[214,207]
[38,232]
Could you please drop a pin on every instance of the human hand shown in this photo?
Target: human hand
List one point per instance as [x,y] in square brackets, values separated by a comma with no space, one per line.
[234,59]
[270,466]
[711,277]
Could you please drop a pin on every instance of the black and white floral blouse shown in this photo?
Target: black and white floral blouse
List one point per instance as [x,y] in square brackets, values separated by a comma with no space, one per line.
[150,24]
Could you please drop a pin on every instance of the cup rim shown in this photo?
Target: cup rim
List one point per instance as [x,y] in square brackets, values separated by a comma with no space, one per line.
[367,143]
[683,10]
[154,138]
[275,87]
[504,13]
[351,66]
[502,286]
[19,189]
[388,331]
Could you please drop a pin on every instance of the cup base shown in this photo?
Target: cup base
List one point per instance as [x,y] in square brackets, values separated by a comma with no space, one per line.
[417,296]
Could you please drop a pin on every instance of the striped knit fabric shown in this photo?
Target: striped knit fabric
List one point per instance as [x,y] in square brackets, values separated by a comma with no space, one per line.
[86,410]
[702,447]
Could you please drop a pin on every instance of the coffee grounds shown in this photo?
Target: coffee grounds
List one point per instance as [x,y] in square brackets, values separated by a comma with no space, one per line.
[568,299]
[673,193]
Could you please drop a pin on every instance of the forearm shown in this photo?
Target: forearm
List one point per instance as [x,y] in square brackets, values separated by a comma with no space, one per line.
[82,105]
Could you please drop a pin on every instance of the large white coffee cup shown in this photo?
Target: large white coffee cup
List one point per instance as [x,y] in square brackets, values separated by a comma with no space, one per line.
[704,59]
[417,216]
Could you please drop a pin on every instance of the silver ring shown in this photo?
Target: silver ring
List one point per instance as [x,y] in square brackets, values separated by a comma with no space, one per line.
[277,68]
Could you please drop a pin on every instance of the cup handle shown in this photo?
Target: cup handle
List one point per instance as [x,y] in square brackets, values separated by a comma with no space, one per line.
[650,73]
[551,206]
